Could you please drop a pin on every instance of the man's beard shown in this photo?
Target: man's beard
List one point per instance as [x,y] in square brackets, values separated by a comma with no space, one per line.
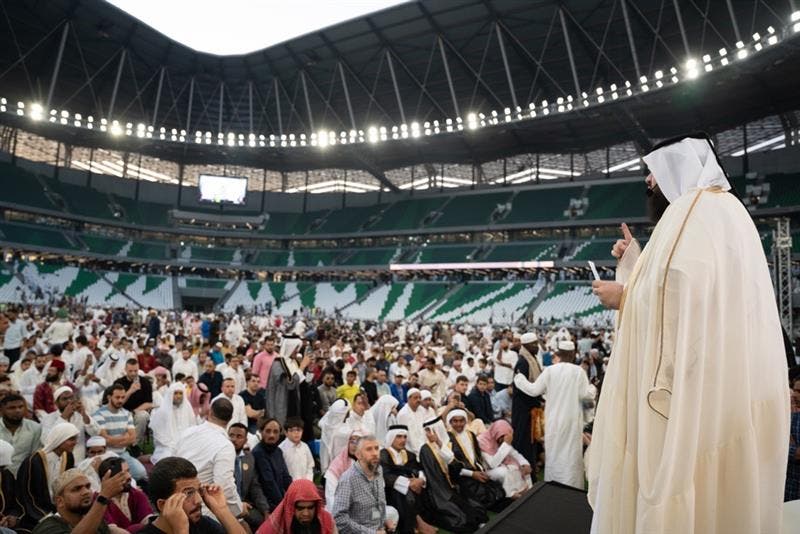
[50,378]
[657,204]
[81,509]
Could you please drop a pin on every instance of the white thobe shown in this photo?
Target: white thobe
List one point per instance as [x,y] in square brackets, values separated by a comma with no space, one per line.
[92,428]
[239,413]
[565,386]
[185,367]
[298,459]
[413,420]
[682,441]
[207,446]
[31,378]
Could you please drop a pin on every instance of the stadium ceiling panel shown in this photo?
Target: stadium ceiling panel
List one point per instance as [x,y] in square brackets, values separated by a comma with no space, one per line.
[462,81]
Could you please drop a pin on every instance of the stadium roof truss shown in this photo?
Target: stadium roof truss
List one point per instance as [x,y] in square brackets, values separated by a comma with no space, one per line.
[422,83]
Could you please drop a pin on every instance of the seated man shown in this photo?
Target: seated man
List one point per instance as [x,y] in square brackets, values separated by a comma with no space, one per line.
[10,509]
[40,469]
[473,479]
[178,495]
[405,481]
[300,510]
[443,505]
[270,465]
[170,420]
[254,504]
[75,511]
[505,464]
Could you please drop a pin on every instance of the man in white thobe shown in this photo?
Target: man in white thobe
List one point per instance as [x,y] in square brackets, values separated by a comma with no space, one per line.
[413,415]
[675,421]
[70,410]
[229,392]
[565,387]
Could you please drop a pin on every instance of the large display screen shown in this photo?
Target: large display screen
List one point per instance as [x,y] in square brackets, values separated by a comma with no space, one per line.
[219,189]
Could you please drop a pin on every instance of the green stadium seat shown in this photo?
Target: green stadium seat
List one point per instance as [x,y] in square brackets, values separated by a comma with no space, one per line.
[22,187]
[470,210]
[407,214]
[348,219]
[540,205]
[39,236]
[616,201]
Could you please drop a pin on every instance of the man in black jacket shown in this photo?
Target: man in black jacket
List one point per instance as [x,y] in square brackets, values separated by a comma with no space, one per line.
[273,475]
[479,402]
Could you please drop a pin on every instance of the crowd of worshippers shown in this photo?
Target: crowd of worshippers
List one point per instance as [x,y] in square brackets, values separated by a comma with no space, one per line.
[269,424]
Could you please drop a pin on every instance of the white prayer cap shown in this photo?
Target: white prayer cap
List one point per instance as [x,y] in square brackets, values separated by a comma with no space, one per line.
[425,394]
[6,452]
[528,337]
[565,345]
[65,479]
[289,345]
[458,412]
[681,165]
[58,435]
[96,441]
[60,391]
[413,391]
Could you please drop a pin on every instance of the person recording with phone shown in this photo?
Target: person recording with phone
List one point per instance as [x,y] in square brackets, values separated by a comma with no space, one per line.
[70,409]
[129,509]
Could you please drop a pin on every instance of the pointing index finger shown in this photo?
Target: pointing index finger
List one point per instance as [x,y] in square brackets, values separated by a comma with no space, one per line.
[626,233]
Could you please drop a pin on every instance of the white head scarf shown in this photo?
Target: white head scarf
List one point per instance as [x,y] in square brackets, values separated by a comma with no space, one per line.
[437,425]
[681,166]
[168,421]
[456,413]
[393,432]
[332,419]
[58,435]
[381,413]
[288,346]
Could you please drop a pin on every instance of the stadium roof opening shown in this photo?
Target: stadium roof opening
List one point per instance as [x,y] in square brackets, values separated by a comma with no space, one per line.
[242,26]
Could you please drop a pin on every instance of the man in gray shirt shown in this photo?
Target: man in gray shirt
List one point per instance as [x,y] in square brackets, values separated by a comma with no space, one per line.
[359,506]
[23,434]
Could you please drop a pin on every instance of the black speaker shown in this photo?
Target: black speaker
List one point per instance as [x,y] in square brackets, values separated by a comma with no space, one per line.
[547,508]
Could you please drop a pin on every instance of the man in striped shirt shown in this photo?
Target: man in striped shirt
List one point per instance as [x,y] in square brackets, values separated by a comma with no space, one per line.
[117,427]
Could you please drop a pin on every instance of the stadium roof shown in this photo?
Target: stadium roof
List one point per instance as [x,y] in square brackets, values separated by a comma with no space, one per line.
[401,68]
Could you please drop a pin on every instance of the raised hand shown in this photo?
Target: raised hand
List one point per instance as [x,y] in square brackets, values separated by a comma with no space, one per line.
[174,514]
[621,245]
[609,293]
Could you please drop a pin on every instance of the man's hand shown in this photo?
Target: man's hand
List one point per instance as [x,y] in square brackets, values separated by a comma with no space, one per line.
[111,486]
[214,498]
[526,470]
[609,293]
[246,507]
[305,362]
[621,245]
[68,411]
[174,515]
[416,485]
[508,438]
[8,521]
[136,386]
[480,476]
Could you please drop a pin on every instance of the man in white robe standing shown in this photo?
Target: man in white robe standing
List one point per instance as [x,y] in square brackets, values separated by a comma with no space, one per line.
[685,441]
[413,415]
[565,387]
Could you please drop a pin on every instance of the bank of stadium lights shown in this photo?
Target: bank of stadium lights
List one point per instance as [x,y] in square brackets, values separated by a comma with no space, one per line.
[692,69]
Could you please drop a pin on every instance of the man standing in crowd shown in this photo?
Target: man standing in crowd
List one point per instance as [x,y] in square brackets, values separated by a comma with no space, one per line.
[117,427]
[209,449]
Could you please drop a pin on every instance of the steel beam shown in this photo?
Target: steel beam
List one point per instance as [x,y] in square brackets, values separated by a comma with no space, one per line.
[116,83]
[278,105]
[308,102]
[449,78]
[396,90]
[250,103]
[631,41]
[221,105]
[191,101]
[681,28]
[158,96]
[347,95]
[733,20]
[57,66]
[569,53]
[505,64]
